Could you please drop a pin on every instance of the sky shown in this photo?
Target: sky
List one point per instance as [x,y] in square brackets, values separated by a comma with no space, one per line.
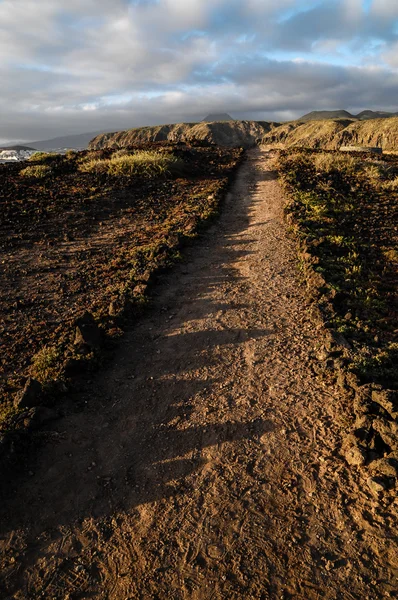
[75,66]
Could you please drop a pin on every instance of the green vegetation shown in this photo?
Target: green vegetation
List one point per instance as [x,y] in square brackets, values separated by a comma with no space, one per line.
[36,171]
[44,364]
[41,156]
[143,162]
[344,209]
[71,154]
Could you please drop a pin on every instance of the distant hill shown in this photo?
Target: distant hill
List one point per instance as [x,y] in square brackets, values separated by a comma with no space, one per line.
[217,117]
[318,115]
[333,133]
[231,134]
[321,115]
[378,114]
[67,141]
[18,148]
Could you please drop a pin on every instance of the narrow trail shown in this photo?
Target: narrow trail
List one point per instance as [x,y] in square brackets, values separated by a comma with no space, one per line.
[206,464]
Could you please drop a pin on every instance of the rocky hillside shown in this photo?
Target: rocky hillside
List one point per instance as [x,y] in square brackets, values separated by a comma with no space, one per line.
[311,134]
[227,133]
[330,135]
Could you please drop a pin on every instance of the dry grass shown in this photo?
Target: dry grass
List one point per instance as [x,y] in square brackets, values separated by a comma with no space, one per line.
[391,185]
[44,364]
[41,156]
[144,162]
[326,163]
[121,152]
[345,209]
[36,171]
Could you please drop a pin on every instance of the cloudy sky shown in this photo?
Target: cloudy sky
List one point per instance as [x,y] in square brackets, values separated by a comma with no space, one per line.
[72,66]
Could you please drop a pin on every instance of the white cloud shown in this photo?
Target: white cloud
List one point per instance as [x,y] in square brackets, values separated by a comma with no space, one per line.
[387,9]
[103,62]
[391,55]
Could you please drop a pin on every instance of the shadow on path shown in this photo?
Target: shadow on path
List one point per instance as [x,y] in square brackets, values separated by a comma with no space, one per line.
[133,442]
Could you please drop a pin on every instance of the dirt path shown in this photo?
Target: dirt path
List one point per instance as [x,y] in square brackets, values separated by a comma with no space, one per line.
[206,464]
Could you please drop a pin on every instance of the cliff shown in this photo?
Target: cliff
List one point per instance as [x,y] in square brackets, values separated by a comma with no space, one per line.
[226,133]
[382,133]
[327,134]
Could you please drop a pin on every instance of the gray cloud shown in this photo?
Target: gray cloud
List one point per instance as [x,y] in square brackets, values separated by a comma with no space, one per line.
[72,66]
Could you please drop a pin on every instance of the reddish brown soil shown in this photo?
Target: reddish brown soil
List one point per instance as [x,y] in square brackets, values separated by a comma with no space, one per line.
[206,463]
[68,243]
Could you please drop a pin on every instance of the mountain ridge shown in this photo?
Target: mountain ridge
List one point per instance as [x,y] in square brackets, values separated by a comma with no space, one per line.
[217,117]
[321,115]
[222,133]
[333,133]
[327,134]
[74,141]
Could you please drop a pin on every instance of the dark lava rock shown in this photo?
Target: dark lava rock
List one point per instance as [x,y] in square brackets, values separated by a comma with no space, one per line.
[29,396]
[38,416]
[74,366]
[87,332]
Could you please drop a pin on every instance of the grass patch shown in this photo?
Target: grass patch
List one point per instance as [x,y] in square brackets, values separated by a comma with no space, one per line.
[44,364]
[145,163]
[41,156]
[345,208]
[36,171]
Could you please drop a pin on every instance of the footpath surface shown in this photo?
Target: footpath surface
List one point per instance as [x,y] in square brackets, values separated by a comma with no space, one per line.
[207,463]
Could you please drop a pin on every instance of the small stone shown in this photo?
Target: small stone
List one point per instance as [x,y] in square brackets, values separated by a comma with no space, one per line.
[355,456]
[384,466]
[339,340]
[29,396]
[87,331]
[362,400]
[387,399]
[376,486]
[388,431]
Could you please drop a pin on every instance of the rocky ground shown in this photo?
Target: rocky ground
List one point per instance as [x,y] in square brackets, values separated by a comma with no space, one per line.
[206,461]
[78,241]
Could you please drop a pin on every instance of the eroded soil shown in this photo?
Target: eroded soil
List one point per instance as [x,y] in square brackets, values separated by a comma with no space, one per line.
[75,242]
[206,463]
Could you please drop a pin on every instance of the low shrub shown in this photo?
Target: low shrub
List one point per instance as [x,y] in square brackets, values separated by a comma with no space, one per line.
[45,363]
[94,165]
[41,156]
[335,162]
[36,171]
[119,153]
[144,162]
[392,184]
